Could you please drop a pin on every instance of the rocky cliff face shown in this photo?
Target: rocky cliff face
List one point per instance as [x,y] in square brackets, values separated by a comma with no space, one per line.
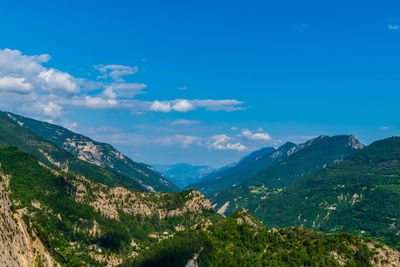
[109,201]
[18,246]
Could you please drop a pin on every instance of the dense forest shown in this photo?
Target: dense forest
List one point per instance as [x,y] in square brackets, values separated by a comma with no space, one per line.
[240,240]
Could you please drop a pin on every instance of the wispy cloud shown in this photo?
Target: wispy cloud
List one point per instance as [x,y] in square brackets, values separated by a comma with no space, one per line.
[123,90]
[385,128]
[177,139]
[115,72]
[183,122]
[394,27]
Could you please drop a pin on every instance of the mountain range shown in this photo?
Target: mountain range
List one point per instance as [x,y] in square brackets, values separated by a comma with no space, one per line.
[304,159]
[236,173]
[327,202]
[360,195]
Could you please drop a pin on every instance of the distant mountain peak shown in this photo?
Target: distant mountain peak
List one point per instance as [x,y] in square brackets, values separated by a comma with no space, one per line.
[354,143]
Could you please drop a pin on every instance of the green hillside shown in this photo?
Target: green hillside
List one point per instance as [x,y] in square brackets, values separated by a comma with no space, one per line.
[100,154]
[247,167]
[240,240]
[12,134]
[360,195]
[310,157]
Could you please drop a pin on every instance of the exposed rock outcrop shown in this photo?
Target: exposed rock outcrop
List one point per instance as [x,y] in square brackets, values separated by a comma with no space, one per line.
[18,247]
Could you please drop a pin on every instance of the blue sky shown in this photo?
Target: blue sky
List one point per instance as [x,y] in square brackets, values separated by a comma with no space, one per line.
[203,82]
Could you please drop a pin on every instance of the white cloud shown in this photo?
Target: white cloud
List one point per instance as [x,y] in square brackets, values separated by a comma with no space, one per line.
[221,142]
[17,85]
[35,76]
[160,106]
[50,93]
[236,146]
[115,71]
[255,136]
[109,93]
[71,125]
[183,122]
[91,102]
[57,80]
[52,110]
[183,106]
[393,27]
[234,128]
[125,90]
[183,88]
[13,63]
[99,103]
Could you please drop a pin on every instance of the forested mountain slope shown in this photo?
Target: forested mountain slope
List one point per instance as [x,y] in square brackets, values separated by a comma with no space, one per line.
[12,134]
[100,154]
[81,222]
[247,167]
[240,240]
[310,157]
[360,195]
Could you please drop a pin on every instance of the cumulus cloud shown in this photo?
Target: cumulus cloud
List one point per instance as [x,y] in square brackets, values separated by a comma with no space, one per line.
[97,102]
[221,142]
[160,106]
[56,80]
[115,72]
[52,110]
[255,136]
[50,93]
[235,146]
[13,63]
[183,106]
[13,84]
[27,72]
